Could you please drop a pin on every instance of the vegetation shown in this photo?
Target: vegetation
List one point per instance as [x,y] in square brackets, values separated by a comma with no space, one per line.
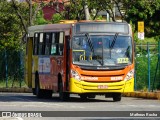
[11,83]
[10,30]
[142,72]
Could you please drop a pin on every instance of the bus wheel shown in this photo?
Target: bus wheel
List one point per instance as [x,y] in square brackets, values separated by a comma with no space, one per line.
[83,96]
[91,96]
[117,97]
[38,91]
[48,93]
[34,91]
[63,95]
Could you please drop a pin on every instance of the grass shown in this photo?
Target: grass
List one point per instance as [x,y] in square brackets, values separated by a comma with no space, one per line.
[12,83]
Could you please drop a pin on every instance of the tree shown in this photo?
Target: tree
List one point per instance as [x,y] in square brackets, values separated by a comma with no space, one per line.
[34,13]
[10,31]
[74,10]
[56,18]
[127,10]
[89,9]
[39,20]
[147,11]
[80,10]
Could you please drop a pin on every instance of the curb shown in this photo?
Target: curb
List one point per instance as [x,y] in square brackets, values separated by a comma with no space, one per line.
[17,90]
[148,95]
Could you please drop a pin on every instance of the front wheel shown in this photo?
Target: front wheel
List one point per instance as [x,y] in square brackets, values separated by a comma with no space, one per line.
[83,97]
[48,93]
[64,96]
[117,97]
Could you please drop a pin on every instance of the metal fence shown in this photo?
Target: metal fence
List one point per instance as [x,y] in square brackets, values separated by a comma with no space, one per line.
[147,67]
[12,68]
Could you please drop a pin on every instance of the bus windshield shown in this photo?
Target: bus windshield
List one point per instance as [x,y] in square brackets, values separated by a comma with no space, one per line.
[100,50]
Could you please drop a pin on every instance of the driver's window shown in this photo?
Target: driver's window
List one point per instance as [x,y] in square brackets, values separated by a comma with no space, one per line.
[76,43]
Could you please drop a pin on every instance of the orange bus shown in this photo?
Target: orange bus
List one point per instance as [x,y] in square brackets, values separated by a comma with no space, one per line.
[84,58]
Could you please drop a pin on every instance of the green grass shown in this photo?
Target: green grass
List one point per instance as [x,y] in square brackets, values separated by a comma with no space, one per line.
[12,83]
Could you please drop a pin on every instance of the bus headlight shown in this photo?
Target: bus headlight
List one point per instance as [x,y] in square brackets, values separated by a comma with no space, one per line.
[129,75]
[75,75]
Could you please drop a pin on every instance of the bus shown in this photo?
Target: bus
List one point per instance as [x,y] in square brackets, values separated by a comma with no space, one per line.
[86,58]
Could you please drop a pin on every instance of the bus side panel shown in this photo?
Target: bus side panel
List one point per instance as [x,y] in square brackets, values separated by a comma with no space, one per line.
[48,72]
[26,70]
[34,69]
[29,63]
[57,68]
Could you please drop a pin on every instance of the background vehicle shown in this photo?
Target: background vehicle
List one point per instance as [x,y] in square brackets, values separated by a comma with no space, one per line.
[85,58]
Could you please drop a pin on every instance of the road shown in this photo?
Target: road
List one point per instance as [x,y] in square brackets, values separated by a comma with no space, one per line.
[28,102]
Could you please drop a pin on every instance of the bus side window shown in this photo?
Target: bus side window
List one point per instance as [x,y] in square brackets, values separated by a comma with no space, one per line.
[61,43]
[60,49]
[57,43]
[41,44]
[53,45]
[47,43]
[35,44]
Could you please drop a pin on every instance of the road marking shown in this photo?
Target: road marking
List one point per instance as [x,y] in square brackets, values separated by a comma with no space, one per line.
[11,118]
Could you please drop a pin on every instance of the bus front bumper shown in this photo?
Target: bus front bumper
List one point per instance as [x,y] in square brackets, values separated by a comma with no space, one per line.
[104,87]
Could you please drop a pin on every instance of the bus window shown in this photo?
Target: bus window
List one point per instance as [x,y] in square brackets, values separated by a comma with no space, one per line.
[57,43]
[41,45]
[60,49]
[53,46]
[61,39]
[35,49]
[47,43]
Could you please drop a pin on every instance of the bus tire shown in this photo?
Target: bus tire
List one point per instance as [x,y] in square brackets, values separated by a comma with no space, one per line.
[83,97]
[34,91]
[117,97]
[92,96]
[64,96]
[48,93]
[38,91]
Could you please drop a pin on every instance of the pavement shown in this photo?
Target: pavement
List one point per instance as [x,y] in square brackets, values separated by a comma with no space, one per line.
[138,94]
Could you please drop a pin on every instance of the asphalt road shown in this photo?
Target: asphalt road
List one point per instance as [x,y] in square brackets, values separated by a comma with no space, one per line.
[26,102]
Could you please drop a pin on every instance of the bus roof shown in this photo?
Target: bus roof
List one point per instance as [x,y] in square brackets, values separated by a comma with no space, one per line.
[102,27]
[83,27]
[49,28]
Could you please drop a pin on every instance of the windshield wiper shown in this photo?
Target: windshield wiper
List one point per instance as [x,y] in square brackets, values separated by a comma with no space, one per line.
[89,42]
[113,41]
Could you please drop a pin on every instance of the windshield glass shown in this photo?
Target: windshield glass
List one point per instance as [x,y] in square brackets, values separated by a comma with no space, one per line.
[97,50]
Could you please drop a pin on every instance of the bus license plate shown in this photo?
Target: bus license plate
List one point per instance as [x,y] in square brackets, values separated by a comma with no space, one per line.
[102,86]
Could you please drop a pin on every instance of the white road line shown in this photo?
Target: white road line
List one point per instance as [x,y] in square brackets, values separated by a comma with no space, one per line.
[10,118]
